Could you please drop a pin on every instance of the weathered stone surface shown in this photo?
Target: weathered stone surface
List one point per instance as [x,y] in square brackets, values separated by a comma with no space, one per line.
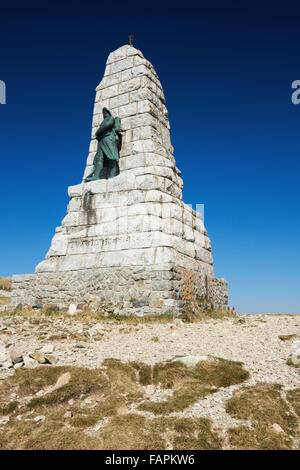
[294,357]
[39,357]
[15,355]
[29,362]
[62,380]
[132,234]
[3,352]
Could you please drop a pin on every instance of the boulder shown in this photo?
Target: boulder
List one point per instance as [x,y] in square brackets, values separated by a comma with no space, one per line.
[294,358]
[47,349]
[39,357]
[192,361]
[63,379]
[15,355]
[51,359]
[3,353]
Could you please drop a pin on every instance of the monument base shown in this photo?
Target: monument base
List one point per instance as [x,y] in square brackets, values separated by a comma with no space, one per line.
[141,290]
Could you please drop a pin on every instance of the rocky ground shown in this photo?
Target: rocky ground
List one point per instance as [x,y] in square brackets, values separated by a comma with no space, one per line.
[267,345]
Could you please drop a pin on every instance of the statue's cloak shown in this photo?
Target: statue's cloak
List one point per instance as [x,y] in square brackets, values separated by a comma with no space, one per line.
[108,139]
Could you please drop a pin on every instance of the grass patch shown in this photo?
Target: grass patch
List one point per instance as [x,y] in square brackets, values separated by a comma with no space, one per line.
[188,433]
[293,397]
[83,382]
[264,406]
[144,372]
[132,432]
[50,435]
[87,315]
[199,314]
[288,337]
[122,376]
[29,381]
[181,399]
[192,383]
[108,392]
[10,408]
[260,438]
[4,300]
[58,337]
[84,418]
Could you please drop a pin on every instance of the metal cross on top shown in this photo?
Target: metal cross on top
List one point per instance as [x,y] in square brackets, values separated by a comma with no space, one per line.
[131,39]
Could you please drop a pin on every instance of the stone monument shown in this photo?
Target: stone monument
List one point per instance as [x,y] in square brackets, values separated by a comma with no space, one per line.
[128,240]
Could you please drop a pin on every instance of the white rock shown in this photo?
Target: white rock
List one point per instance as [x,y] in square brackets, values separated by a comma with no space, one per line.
[18,365]
[15,355]
[49,348]
[277,428]
[192,361]
[295,357]
[29,363]
[72,309]
[62,380]
[4,420]
[39,418]
[3,352]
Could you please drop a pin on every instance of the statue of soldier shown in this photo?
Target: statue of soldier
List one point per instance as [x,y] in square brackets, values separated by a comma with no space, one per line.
[109,144]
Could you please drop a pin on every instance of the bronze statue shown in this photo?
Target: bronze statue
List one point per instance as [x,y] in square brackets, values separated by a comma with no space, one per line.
[109,145]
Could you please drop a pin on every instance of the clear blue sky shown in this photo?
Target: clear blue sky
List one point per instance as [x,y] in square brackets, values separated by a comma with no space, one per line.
[226,68]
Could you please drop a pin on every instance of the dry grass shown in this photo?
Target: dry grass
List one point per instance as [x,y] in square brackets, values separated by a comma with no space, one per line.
[200,314]
[108,393]
[131,431]
[192,383]
[4,301]
[92,396]
[264,406]
[5,283]
[288,337]
[293,396]
[155,339]
[87,315]
[187,433]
